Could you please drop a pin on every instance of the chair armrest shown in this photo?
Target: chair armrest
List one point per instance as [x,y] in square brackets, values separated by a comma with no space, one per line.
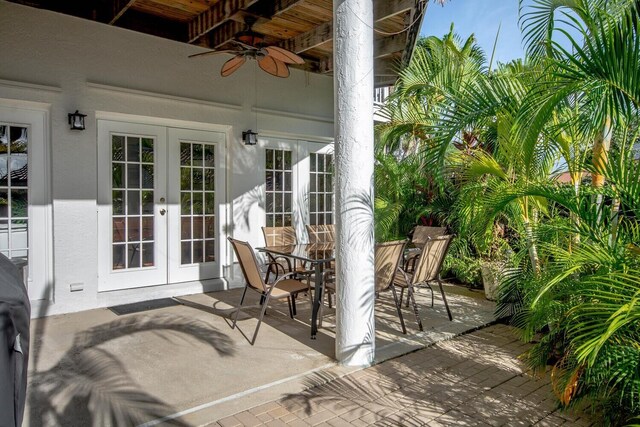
[410,261]
[273,267]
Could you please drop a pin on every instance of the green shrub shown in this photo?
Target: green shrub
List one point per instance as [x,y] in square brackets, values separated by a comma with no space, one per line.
[463,269]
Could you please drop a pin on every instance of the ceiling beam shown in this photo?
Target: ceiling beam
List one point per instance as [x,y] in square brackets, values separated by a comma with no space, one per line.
[154,25]
[119,7]
[388,45]
[417,17]
[305,41]
[323,33]
[383,9]
[281,6]
[267,10]
[224,33]
[381,66]
[217,15]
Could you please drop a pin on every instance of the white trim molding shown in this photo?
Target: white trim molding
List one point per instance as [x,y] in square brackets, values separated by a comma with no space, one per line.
[157,95]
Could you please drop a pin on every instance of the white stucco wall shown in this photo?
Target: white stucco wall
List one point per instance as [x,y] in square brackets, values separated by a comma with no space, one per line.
[64,63]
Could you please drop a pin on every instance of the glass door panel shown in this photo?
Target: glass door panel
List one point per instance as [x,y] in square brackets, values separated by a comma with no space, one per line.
[197,203]
[25,206]
[132,203]
[196,193]
[14,191]
[278,187]
[321,188]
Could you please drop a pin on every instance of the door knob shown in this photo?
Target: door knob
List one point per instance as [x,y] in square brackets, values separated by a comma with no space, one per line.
[163,211]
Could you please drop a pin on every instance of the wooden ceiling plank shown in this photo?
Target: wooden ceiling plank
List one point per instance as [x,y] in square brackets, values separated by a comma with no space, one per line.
[217,15]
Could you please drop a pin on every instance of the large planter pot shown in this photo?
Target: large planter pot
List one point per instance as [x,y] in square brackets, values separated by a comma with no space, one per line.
[491,275]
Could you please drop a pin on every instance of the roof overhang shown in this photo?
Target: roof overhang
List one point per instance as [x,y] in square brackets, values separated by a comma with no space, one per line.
[302,26]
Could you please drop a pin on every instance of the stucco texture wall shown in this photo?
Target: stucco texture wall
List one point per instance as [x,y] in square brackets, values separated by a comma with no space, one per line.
[69,63]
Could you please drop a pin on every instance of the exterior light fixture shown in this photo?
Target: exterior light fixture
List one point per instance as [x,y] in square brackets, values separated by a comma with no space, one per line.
[76,120]
[249,137]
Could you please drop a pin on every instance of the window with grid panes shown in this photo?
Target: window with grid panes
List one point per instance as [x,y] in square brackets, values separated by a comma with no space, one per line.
[132,180]
[279,188]
[197,203]
[14,191]
[321,189]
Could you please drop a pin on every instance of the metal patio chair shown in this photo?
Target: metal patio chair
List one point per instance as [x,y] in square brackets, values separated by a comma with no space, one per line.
[427,270]
[421,234]
[283,287]
[321,233]
[388,257]
[281,236]
[387,263]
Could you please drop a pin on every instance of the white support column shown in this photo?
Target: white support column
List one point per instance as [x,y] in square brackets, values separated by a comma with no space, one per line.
[353,100]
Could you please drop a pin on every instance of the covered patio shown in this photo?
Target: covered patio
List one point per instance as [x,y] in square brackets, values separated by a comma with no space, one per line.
[184,364]
[169,172]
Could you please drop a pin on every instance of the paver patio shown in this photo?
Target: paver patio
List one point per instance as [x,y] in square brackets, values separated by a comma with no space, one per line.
[472,380]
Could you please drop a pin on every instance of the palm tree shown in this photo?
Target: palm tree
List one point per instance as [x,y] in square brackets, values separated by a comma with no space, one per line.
[405,182]
[599,75]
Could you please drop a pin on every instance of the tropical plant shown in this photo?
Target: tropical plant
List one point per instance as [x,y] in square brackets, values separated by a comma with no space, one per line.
[493,143]
[587,299]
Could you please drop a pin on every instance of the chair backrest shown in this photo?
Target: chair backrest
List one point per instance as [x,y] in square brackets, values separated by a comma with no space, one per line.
[388,257]
[279,236]
[423,233]
[248,264]
[321,233]
[431,259]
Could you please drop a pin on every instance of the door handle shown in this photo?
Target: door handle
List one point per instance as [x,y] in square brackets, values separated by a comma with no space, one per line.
[163,211]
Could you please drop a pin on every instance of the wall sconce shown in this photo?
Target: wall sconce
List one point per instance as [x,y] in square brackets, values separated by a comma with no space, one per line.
[249,137]
[76,120]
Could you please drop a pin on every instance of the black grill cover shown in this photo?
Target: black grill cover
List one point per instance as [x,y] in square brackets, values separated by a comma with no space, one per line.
[15,313]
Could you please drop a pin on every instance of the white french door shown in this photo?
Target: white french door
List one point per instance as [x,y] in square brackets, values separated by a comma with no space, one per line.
[160,191]
[24,198]
[298,183]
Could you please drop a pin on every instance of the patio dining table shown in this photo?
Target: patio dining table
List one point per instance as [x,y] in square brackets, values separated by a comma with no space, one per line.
[316,254]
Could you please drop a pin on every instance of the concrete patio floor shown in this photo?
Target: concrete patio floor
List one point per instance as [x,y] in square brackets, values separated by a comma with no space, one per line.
[184,365]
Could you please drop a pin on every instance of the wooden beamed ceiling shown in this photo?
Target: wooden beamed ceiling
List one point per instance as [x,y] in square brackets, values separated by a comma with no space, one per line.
[302,26]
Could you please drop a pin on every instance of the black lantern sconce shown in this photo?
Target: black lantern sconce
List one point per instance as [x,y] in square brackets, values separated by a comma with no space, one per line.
[249,137]
[76,120]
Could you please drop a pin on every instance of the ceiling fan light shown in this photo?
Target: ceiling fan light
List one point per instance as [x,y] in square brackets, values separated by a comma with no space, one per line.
[251,38]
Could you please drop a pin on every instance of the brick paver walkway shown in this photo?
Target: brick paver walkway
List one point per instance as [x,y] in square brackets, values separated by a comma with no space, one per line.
[472,380]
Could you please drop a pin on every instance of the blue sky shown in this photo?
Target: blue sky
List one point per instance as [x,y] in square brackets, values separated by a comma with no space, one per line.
[482,18]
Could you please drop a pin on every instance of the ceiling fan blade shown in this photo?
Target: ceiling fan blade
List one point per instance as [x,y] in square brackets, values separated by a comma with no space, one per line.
[274,66]
[284,55]
[213,52]
[232,65]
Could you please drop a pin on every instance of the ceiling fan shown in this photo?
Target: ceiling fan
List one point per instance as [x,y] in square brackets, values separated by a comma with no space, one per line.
[249,44]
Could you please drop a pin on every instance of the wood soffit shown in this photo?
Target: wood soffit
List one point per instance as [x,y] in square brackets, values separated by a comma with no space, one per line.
[302,26]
